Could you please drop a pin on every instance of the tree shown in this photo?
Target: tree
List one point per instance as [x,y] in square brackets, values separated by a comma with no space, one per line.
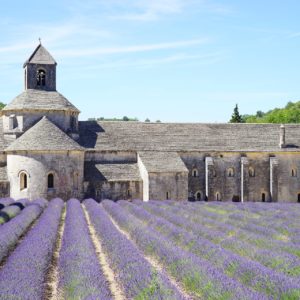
[125,118]
[147,120]
[236,117]
[1,105]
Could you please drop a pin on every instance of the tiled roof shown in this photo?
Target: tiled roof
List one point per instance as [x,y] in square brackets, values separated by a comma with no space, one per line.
[41,56]
[139,136]
[111,172]
[40,100]
[158,162]
[44,136]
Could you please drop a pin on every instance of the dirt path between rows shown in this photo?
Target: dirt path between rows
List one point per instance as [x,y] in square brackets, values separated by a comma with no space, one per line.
[108,272]
[153,262]
[52,279]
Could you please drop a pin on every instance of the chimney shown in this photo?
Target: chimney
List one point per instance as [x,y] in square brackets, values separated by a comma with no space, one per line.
[282,136]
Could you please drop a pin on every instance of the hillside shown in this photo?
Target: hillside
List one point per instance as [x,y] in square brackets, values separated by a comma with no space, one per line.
[289,114]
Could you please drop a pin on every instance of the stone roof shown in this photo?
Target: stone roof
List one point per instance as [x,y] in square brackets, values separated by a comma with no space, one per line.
[44,136]
[111,172]
[40,56]
[162,162]
[139,136]
[40,100]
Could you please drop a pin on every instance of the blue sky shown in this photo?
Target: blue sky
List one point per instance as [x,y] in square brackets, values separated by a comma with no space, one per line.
[173,60]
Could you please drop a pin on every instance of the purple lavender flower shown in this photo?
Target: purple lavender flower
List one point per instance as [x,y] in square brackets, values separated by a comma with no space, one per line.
[23,274]
[80,273]
[132,271]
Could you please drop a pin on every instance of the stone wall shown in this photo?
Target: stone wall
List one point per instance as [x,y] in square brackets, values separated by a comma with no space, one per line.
[123,190]
[67,168]
[175,184]
[111,156]
[288,185]
[24,120]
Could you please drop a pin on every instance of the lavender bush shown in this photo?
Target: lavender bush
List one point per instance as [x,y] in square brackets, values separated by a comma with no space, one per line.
[246,271]
[80,273]
[23,274]
[5,202]
[199,277]
[13,230]
[132,271]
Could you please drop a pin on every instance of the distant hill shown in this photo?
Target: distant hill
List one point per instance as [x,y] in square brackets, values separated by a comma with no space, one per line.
[289,114]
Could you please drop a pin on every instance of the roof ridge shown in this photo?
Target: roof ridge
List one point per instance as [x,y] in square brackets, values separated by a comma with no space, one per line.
[40,47]
[43,136]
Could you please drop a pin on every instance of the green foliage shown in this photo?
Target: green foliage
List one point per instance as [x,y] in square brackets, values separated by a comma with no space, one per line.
[153,290]
[289,114]
[236,117]
[2,105]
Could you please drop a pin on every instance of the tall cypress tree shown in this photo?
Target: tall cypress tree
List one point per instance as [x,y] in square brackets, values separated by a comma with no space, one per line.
[236,117]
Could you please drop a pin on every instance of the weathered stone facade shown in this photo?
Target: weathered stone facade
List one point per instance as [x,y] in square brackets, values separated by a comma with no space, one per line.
[46,152]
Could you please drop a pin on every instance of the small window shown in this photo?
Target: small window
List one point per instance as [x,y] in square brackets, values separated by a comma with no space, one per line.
[251,172]
[218,197]
[23,181]
[263,197]
[128,193]
[98,193]
[294,173]
[168,195]
[230,172]
[298,198]
[214,173]
[198,196]
[195,173]
[50,181]
[75,180]
[41,78]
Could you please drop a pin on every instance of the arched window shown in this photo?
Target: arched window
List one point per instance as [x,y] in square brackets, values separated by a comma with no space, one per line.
[50,181]
[195,172]
[129,193]
[251,172]
[198,196]
[168,195]
[218,197]
[298,198]
[23,181]
[214,173]
[75,180]
[294,172]
[263,197]
[41,78]
[230,172]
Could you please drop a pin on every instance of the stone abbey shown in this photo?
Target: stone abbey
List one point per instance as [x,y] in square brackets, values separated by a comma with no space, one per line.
[46,152]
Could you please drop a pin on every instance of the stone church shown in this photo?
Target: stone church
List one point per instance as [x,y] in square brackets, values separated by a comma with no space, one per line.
[46,152]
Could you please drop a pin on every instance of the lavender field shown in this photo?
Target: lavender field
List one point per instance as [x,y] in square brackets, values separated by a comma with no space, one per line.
[153,250]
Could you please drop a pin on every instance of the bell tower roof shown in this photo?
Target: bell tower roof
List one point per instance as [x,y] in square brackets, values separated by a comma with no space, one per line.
[40,56]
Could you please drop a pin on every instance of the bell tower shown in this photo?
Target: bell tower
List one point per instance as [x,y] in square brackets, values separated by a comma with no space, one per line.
[40,70]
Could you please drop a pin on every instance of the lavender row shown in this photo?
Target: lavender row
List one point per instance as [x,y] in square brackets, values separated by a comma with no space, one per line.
[5,202]
[198,277]
[11,210]
[23,275]
[81,276]
[210,225]
[272,258]
[12,231]
[132,271]
[261,278]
